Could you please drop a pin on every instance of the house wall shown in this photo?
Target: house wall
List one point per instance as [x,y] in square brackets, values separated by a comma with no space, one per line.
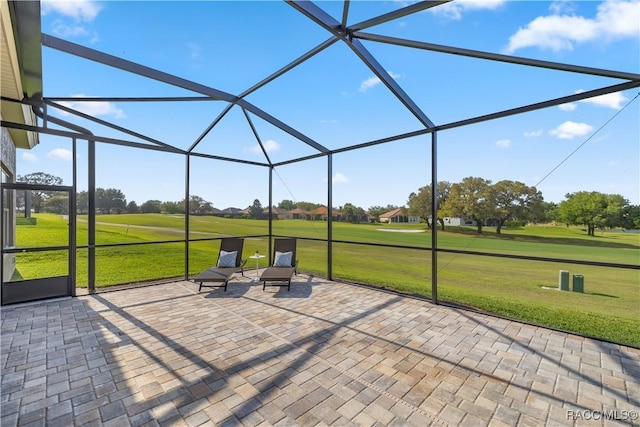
[8,163]
[453,221]
[459,221]
[403,219]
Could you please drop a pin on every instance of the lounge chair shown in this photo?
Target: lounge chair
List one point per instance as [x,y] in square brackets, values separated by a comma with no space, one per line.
[284,265]
[229,262]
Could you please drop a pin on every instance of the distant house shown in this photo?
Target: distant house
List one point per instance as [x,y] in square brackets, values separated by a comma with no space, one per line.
[321,213]
[365,217]
[278,213]
[458,221]
[298,213]
[400,215]
[232,212]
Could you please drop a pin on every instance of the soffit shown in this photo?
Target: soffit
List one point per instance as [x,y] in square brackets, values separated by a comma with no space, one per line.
[20,66]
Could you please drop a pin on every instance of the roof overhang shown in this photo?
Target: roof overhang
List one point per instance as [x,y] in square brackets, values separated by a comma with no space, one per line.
[21,66]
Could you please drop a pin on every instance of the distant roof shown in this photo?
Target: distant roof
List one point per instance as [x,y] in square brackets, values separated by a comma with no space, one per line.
[277,211]
[322,210]
[232,211]
[395,212]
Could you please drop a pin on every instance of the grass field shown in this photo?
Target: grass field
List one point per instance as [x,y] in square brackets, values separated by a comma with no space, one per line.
[519,289]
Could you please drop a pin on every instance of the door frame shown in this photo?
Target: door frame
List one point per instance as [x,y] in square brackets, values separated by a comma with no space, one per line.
[46,287]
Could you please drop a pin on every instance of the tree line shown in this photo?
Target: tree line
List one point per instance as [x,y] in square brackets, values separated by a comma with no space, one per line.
[513,202]
[480,200]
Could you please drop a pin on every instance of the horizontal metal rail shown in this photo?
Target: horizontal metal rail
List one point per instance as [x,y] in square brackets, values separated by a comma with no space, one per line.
[478,253]
[38,249]
[348,242]
[201,239]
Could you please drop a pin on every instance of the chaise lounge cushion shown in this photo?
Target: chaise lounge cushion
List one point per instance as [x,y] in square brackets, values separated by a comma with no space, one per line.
[283,259]
[227,259]
[282,274]
[215,275]
[229,262]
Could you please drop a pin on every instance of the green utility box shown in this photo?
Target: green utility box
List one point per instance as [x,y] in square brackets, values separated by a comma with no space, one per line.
[563,280]
[578,283]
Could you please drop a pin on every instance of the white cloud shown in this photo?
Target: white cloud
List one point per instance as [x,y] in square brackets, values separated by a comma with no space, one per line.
[614,20]
[60,154]
[562,6]
[455,9]
[80,10]
[503,143]
[533,134]
[269,146]
[339,178]
[374,81]
[29,157]
[613,100]
[94,108]
[569,130]
[568,107]
[195,50]
[63,30]
[369,83]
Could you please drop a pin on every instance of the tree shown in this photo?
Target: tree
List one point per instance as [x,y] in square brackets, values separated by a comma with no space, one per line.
[352,213]
[82,202]
[593,209]
[614,212]
[255,210]
[172,207]
[58,204]
[151,206]
[469,199]
[514,201]
[132,207]
[38,197]
[307,206]
[550,212]
[110,199]
[376,211]
[631,217]
[420,203]
[287,205]
[198,205]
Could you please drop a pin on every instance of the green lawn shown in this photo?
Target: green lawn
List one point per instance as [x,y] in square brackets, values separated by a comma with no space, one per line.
[519,289]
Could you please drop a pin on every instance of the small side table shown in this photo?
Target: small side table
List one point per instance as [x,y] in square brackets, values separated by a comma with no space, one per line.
[257,257]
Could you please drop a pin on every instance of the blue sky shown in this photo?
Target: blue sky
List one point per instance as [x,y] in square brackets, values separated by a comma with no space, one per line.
[337,101]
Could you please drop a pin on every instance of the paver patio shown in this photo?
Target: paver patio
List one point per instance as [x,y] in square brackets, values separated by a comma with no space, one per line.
[325,353]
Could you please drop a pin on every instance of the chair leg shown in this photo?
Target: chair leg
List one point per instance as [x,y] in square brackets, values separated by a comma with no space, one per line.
[200,288]
[264,285]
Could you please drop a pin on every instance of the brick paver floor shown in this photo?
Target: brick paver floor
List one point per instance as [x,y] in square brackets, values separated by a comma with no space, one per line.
[325,353]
